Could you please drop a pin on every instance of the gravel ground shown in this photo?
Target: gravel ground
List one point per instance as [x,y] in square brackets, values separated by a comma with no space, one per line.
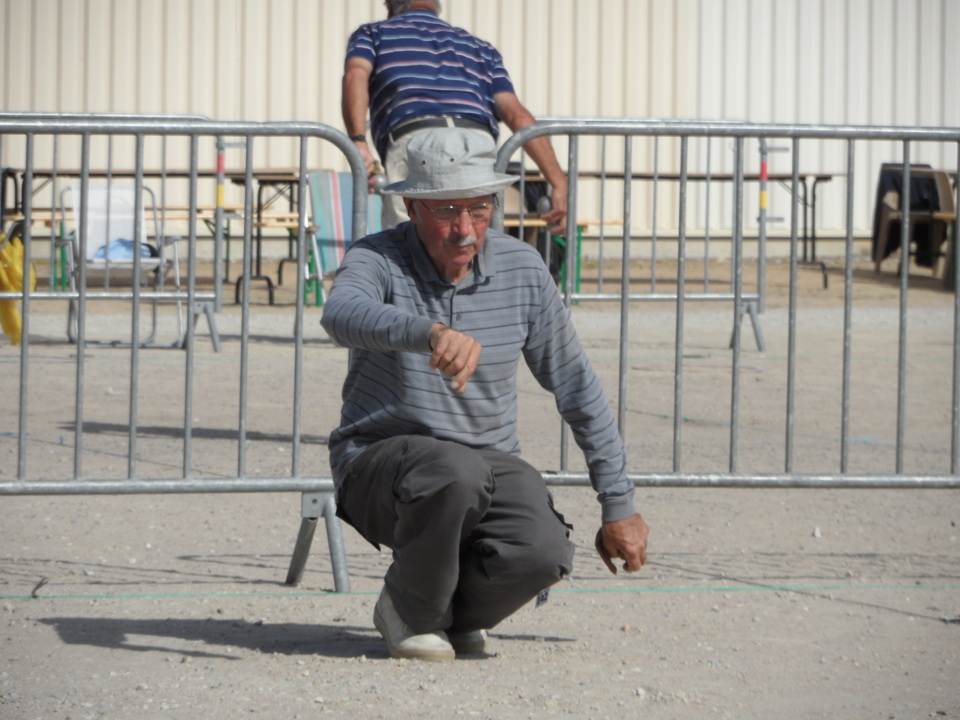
[755,603]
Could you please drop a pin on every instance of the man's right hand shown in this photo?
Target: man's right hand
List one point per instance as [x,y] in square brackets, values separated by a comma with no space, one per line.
[625,539]
[455,354]
[368,160]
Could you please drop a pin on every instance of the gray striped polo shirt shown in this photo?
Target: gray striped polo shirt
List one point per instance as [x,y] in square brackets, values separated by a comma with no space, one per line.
[385,299]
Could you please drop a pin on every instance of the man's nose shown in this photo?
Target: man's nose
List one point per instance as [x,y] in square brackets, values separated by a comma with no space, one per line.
[464,223]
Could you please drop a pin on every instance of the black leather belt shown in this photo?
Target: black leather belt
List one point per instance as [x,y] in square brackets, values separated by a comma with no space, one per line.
[448,121]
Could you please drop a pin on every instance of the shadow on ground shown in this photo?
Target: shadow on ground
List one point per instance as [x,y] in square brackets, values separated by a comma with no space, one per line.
[214,637]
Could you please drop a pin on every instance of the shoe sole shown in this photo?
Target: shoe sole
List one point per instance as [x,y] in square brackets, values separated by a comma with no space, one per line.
[402,654]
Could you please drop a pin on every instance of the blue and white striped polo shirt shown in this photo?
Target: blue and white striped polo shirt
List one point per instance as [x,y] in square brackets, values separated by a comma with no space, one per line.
[386,297]
[425,66]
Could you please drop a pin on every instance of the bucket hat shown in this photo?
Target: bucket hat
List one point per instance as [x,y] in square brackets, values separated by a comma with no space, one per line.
[450,163]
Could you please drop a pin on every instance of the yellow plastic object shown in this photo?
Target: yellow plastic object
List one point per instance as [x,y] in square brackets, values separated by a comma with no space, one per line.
[11,280]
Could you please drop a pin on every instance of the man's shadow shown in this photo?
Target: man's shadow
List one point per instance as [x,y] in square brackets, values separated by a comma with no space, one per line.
[334,641]
[201,638]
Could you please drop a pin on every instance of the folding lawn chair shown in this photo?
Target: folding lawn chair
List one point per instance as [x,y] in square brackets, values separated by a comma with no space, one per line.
[331,210]
[103,233]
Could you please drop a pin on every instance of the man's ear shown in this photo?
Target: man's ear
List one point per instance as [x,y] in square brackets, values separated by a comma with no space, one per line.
[408,203]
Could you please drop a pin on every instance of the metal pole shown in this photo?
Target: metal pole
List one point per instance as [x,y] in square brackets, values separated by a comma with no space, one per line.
[82,232]
[625,285]
[25,311]
[191,304]
[245,308]
[904,283]
[738,299]
[681,292]
[847,316]
[792,312]
[706,227]
[218,221]
[653,221]
[573,153]
[138,231]
[603,204]
[298,311]
[762,229]
[955,269]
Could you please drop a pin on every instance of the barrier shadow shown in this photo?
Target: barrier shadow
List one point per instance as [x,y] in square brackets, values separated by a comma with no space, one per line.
[198,433]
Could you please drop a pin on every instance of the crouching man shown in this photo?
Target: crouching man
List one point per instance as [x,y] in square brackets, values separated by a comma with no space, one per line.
[437,314]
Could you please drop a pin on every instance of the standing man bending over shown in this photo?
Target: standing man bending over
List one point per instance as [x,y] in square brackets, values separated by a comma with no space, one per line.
[437,314]
[413,71]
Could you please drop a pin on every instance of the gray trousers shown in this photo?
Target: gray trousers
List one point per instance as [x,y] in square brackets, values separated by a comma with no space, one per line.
[474,533]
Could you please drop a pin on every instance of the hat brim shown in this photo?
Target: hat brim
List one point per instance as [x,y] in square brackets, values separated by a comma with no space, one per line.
[404,188]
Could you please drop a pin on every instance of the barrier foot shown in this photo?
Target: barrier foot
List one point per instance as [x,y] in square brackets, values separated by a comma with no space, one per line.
[314,505]
[301,551]
[750,307]
[338,556]
[206,309]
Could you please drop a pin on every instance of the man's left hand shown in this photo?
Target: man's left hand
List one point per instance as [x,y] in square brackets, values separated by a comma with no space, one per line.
[627,539]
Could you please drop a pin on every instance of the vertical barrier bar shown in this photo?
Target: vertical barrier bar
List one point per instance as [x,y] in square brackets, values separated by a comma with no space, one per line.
[656,194]
[522,210]
[163,192]
[107,260]
[81,301]
[738,299]
[603,205]
[218,220]
[706,226]
[53,225]
[572,249]
[762,228]
[904,284]
[191,303]
[138,230]
[681,299]
[625,282]
[245,307]
[847,316]
[570,261]
[298,321]
[548,248]
[792,310]
[25,309]
[955,269]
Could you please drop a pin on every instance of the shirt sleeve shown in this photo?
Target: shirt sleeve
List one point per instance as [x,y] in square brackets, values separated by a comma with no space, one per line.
[361,44]
[501,81]
[558,362]
[356,314]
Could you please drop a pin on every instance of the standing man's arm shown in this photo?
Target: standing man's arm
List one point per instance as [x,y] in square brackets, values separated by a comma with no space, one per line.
[517,117]
[355,102]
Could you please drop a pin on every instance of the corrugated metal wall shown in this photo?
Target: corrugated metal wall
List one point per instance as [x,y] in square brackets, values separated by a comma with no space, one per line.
[789,61]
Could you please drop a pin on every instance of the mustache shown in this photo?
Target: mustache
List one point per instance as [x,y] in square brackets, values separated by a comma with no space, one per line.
[463,241]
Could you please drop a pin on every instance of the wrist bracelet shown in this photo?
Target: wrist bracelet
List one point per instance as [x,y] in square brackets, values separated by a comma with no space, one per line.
[358,138]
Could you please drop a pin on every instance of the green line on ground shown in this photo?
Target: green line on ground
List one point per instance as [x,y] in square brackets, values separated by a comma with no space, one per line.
[297,593]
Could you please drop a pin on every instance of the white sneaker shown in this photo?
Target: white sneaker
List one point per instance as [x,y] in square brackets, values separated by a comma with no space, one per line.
[467,643]
[402,641]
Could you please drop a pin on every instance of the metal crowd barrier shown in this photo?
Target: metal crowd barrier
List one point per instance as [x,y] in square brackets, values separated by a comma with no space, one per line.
[53,178]
[16,477]
[316,488]
[574,129]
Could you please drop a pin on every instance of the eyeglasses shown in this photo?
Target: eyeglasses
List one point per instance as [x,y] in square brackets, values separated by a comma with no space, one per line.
[481,212]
